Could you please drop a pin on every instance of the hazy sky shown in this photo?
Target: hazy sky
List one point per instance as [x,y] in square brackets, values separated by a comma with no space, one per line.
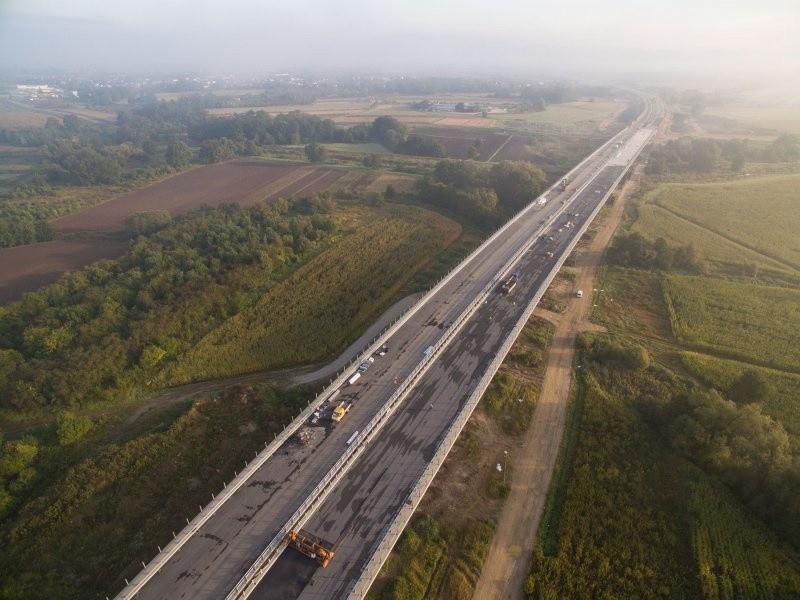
[700,38]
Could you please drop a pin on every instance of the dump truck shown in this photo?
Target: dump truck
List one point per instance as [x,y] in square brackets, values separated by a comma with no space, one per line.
[340,411]
[509,284]
[311,545]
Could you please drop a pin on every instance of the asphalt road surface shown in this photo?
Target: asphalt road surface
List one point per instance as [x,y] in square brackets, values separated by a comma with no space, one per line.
[212,561]
[354,516]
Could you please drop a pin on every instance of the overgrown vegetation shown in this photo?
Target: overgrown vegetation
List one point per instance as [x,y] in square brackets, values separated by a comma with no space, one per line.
[294,323]
[88,512]
[682,477]
[117,326]
[703,155]
[438,562]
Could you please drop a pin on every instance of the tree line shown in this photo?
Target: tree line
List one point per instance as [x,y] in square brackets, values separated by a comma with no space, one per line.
[702,155]
[484,195]
[634,250]
[109,327]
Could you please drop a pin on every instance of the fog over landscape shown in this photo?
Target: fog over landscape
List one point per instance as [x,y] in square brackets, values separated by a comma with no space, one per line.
[705,40]
[441,299]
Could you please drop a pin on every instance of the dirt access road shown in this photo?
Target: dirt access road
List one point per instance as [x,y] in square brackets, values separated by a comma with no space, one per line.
[508,562]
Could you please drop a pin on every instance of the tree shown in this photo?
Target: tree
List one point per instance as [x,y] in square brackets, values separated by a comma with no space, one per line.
[214,151]
[72,123]
[146,222]
[316,153]
[178,155]
[751,386]
[516,183]
[70,428]
[421,146]
[458,173]
[388,131]
[704,155]
[373,161]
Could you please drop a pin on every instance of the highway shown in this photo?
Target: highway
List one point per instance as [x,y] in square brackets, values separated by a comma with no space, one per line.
[376,486]
[354,514]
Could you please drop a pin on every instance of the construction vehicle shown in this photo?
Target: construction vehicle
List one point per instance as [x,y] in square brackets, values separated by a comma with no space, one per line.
[509,284]
[340,411]
[311,546]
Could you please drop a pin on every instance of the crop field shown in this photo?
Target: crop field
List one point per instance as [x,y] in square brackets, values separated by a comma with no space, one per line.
[13,117]
[465,121]
[653,222]
[457,142]
[783,404]
[781,118]
[346,111]
[366,148]
[569,116]
[762,214]
[14,161]
[239,181]
[745,320]
[520,147]
[736,556]
[374,181]
[552,153]
[26,268]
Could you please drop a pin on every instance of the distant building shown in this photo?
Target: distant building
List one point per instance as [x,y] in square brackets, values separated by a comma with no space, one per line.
[38,92]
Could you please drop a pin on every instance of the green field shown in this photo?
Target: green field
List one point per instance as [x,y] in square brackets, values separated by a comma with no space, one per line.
[740,319]
[762,214]
[668,488]
[12,117]
[738,557]
[724,254]
[368,148]
[619,532]
[566,114]
[15,162]
[782,118]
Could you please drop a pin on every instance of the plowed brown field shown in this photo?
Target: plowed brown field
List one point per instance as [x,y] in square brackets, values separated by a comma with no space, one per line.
[27,268]
[245,182]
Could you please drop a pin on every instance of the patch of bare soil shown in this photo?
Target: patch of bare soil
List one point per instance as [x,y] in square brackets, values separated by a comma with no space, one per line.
[243,182]
[27,268]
